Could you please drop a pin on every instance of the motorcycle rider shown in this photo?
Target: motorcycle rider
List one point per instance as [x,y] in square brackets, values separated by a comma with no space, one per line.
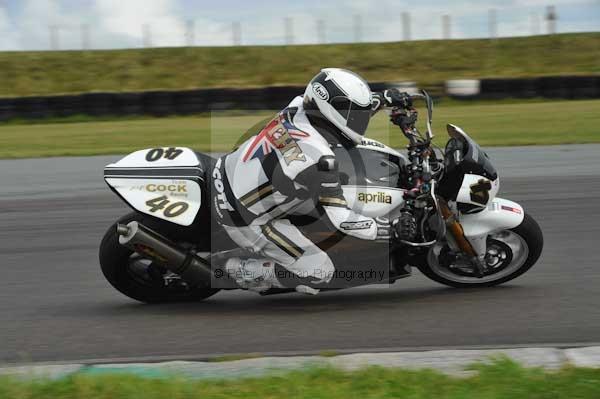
[289,166]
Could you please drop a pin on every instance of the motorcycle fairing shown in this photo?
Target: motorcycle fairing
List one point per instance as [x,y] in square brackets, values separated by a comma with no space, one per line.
[373,201]
[158,157]
[474,159]
[371,164]
[461,170]
[500,214]
[374,145]
[161,182]
[477,190]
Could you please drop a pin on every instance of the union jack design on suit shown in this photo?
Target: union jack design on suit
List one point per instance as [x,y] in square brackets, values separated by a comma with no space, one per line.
[264,142]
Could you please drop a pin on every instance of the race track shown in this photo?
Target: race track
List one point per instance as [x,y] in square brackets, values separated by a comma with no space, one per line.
[55,304]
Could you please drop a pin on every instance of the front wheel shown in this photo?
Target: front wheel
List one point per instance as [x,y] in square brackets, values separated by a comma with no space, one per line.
[510,253]
[137,277]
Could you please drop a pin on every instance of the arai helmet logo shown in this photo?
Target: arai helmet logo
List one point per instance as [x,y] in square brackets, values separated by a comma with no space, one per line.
[320,91]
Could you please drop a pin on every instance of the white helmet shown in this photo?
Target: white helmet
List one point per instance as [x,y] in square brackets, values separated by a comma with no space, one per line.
[342,98]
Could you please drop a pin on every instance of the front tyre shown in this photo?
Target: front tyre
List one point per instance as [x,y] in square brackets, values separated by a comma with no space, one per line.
[137,277]
[510,253]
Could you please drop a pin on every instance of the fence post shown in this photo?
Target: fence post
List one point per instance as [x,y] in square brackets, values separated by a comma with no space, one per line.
[85,36]
[236,33]
[288,24]
[321,31]
[357,29]
[54,37]
[190,33]
[146,36]
[405,26]
[493,23]
[447,34]
[551,18]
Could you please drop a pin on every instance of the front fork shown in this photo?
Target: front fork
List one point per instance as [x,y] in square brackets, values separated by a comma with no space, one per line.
[470,235]
[474,249]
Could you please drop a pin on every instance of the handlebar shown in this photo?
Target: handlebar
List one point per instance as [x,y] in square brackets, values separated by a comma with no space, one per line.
[424,167]
[416,96]
[406,117]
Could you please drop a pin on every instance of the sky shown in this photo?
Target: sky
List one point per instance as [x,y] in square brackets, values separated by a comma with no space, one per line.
[105,24]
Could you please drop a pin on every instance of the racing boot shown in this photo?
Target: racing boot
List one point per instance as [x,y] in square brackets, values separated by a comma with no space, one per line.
[253,274]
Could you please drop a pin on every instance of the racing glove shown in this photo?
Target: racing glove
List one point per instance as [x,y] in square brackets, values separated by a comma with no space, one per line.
[390,98]
[394,98]
[405,227]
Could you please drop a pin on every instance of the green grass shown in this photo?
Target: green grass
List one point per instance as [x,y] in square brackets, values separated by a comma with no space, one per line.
[501,379]
[426,62]
[229,358]
[555,122]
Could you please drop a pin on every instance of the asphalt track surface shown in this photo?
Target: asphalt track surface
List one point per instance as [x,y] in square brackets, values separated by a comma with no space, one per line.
[56,306]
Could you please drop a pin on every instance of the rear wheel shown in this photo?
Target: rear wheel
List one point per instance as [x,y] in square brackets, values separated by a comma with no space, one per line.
[139,278]
[510,253]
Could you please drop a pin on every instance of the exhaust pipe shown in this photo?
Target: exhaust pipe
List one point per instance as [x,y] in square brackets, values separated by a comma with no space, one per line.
[193,269]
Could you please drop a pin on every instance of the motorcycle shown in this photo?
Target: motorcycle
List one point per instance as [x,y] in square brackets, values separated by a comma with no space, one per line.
[171,249]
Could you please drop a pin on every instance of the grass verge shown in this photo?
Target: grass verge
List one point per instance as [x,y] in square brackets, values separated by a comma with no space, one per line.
[230,358]
[426,62]
[530,123]
[501,379]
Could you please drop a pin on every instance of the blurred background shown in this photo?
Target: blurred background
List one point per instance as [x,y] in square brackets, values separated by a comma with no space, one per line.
[96,60]
[112,24]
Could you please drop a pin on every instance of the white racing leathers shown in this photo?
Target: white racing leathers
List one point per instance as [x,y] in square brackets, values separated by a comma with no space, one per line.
[286,167]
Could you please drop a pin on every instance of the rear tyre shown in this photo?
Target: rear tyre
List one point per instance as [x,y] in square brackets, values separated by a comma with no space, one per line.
[138,278]
[516,250]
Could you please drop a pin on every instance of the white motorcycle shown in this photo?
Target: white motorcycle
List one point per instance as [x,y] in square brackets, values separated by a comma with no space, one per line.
[170,249]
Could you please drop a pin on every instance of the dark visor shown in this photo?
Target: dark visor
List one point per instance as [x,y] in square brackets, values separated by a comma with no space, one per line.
[356,116]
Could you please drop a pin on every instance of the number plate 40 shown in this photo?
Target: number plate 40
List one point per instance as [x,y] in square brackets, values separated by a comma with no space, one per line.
[169,209]
[175,200]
